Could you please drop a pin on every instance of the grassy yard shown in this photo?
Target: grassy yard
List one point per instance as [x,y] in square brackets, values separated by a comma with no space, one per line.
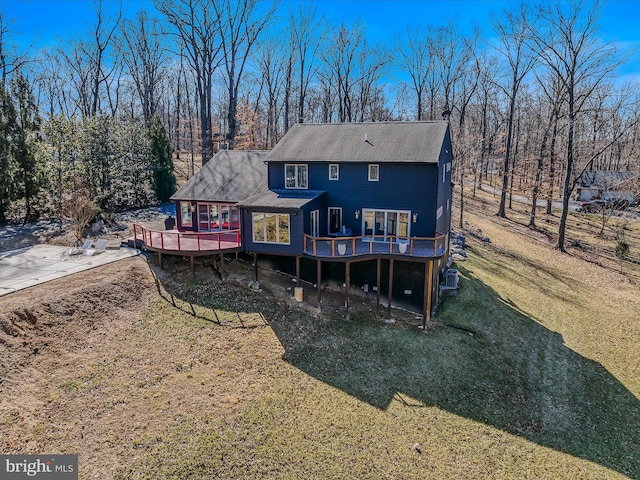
[541,379]
[532,371]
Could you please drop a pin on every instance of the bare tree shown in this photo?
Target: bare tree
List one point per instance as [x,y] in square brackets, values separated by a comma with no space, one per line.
[568,45]
[512,30]
[87,60]
[143,55]
[239,23]
[553,95]
[487,96]
[453,53]
[372,64]
[465,146]
[306,38]
[196,27]
[52,85]
[271,61]
[412,49]
[341,67]
[11,58]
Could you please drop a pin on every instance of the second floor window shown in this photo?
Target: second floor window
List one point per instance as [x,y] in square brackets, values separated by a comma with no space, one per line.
[334,171]
[296,176]
[374,173]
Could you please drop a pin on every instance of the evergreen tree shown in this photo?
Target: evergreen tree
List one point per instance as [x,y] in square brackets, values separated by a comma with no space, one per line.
[29,180]
[7,165]
[164,180]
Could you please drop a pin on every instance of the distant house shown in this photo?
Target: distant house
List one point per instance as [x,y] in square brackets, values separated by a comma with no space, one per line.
[367,195]
[600,184]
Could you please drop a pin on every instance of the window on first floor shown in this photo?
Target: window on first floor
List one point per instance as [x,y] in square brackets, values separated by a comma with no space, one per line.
[271,228]
[185,214]
[296,176]
[214,217]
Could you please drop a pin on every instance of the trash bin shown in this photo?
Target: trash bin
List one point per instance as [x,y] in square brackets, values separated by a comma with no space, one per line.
[170,223]
[298,294]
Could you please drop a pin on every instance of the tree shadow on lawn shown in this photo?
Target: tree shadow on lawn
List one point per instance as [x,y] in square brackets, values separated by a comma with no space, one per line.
[514,374]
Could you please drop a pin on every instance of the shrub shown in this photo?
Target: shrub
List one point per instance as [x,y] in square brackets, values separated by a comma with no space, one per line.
[622,249]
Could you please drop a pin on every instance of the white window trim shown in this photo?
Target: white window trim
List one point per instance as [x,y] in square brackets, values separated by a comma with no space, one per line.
[377,171]
[314,220]
[295,177]
[337,165]
[186,221]
[253,233]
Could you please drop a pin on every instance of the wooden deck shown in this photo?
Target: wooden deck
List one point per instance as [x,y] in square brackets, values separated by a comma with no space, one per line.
[347,247]
[175,242]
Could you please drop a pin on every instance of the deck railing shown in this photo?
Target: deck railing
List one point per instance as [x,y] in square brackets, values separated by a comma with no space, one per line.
[172,240]
[375,244]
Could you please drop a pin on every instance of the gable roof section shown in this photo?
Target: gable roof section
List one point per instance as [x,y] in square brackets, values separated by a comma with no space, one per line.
[377,142]
[229,177]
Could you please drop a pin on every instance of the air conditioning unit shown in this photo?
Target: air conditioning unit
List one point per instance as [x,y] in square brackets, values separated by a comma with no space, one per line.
[451,279]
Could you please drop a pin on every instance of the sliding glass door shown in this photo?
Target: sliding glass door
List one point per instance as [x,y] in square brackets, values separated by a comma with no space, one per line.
[385,224]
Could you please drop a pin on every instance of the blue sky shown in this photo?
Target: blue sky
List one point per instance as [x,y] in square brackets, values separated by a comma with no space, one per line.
[42,22]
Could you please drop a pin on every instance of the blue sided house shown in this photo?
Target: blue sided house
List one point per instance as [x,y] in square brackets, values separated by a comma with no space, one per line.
[374,194]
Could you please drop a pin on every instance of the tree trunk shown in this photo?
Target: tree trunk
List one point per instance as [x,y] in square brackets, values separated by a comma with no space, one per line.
[568,185]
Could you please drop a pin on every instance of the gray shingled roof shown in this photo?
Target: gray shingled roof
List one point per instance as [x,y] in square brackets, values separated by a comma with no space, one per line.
[377,142]
[230,176]
[603,178]
[281,198]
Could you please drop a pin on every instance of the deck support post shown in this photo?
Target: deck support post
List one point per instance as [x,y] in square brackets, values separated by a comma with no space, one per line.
[298,270]
[428,281]
[221,263]
[255,265]
[193,266]
[319,280]
[379,261]
[347,281]
[160,259]
[390,287]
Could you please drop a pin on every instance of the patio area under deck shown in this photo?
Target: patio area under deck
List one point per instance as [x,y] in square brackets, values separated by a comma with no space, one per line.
[174,242]
[425,250]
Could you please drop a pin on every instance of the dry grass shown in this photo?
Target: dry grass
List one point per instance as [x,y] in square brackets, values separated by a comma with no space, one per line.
[583,234]
[175,379]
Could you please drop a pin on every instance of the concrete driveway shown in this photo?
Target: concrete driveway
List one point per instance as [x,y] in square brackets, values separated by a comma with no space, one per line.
[31,266]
